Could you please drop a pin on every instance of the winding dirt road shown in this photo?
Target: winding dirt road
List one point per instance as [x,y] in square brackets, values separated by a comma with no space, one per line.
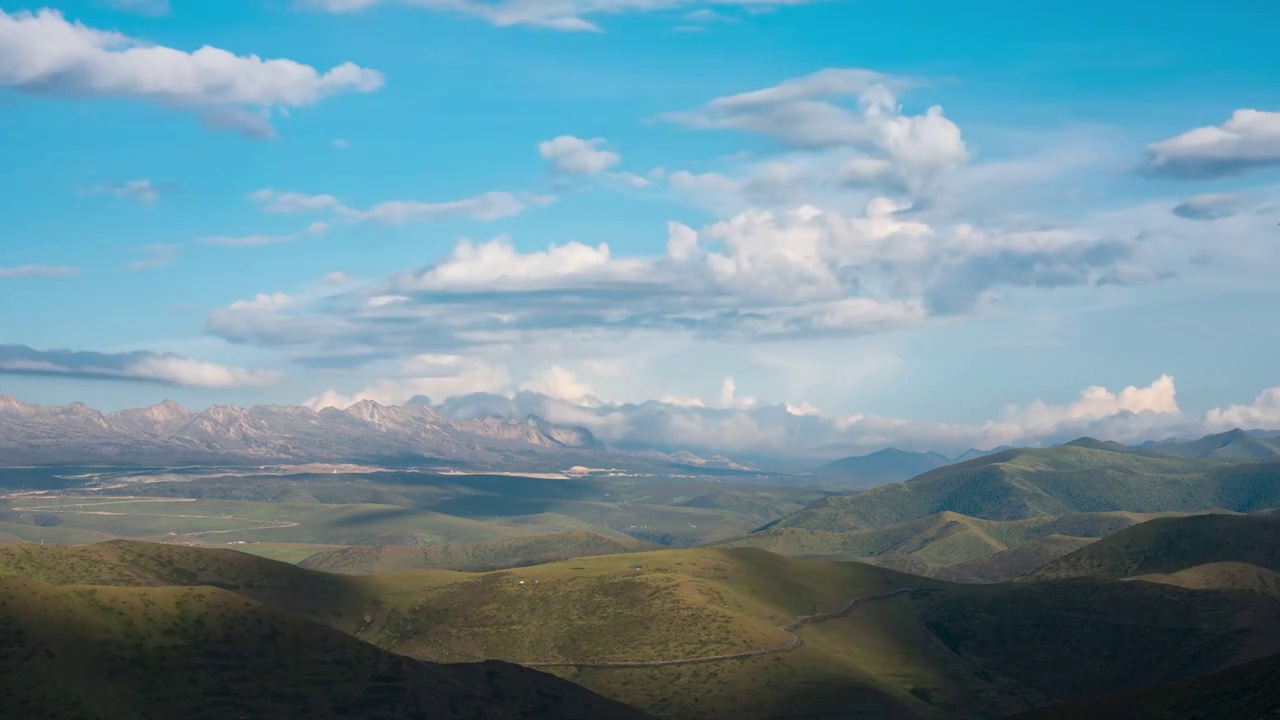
[794,643]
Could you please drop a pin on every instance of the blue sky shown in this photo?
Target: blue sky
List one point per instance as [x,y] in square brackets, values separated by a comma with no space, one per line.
[1094,202]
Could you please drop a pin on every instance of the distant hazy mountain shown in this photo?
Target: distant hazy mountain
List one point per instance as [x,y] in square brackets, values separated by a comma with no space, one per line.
[881,467]
[1081,477]
[1231,446]
[170,433]
[974,453]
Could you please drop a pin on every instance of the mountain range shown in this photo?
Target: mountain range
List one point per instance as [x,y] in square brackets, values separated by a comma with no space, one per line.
[169,433]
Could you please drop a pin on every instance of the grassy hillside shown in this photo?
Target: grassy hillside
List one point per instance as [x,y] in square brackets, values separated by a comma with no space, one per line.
[1248,692]
[1065,480]
[933,545]
[512,552]
[713,633]
[116,653]
[1170,545]
[1014,562]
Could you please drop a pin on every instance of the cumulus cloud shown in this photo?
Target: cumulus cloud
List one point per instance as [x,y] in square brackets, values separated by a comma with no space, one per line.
[760,275]
[429,375]
[1248,139]
[1262,413]
[24,271]
[570,155]
[148,367]
[43,53]
[562,384]
[567,16]
[890,148]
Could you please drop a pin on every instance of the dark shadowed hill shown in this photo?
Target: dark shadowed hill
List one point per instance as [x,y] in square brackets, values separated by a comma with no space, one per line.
[1246,692]
[113,653]
[508,553]
[1070,639]
[1021,484]
[878,468]
[1172,545]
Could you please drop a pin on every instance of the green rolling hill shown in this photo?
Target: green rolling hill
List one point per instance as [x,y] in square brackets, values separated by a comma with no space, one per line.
[949,545]
[703,633]
[1168,546]
[133,653]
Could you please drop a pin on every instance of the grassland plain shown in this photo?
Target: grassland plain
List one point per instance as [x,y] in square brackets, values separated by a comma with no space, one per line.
[434,508]
[493,555]
[1246,692]
[130,653]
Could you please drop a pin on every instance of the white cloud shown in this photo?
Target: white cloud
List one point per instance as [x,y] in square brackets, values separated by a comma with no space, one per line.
[43,53]
[1262,414]
[435,376]
[1096,403]
[1248,139]
[892,148]
[264,301]
[22,271]
[798,429]
[155,255]
[294,202]
[497,263]
[561,383]
[318,227]
[566,16]
[163,369]
[485,207]
[143,191]
[341,143]
[247,240]
[1209,206]
[574,156]
[760,275]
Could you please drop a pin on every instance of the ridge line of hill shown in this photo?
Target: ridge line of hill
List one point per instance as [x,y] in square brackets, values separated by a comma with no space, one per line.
[795,643]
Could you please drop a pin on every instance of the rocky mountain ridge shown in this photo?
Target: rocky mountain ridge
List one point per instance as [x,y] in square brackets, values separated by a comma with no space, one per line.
[170,433]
